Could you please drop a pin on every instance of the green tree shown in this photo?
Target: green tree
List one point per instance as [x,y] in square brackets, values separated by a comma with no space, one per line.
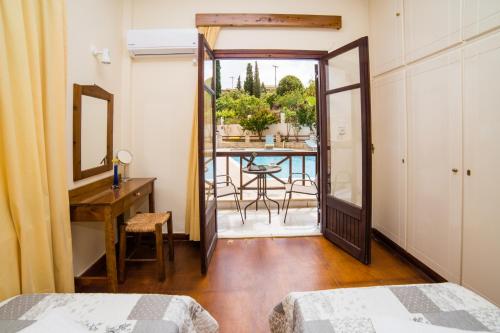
[248,84]
[256,81]
[229,116]
[263,88]
[306,115]
[218,87]
[238,83]
[288,84]
[270,99]
[311,89]
[227,106]
[300,110]
[247,105]
[259,121]
[292,121]
[290,100]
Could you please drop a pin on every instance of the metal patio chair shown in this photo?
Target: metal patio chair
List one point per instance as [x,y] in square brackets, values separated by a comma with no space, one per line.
[228,189]
[293,186]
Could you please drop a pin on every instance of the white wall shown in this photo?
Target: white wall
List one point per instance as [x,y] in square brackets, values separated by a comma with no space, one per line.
[163,89]
[98,23]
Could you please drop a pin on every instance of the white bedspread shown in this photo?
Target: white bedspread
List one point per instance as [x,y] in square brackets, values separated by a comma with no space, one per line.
[110,313]
[426,308]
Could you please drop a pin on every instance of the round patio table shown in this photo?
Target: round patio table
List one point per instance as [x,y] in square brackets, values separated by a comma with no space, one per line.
[262,187]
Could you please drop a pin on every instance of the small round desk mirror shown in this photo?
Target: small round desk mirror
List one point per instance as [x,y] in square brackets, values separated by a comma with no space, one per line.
[125,157]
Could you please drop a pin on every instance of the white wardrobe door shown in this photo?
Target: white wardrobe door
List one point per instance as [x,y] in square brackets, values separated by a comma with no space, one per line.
[430,26]
[386,38]
[481,243]
[434,190]
[389,171]
[479,16]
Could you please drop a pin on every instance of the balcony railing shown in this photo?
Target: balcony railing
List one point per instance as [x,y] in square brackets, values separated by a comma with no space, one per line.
[286,158]
[256,138]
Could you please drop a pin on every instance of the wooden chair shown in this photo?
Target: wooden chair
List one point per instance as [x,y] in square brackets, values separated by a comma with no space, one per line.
[147,223]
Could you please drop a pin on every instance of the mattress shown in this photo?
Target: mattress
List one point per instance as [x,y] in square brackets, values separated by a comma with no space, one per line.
[442,307]
[118,313]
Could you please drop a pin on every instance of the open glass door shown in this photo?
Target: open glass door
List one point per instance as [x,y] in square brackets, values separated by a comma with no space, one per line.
[345,148]
[318,139]
[206,152]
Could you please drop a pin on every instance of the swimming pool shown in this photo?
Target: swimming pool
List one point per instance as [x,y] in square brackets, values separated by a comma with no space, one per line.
[310,168]
[285,167]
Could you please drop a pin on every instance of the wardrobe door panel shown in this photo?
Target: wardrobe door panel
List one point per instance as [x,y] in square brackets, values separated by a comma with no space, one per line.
[389,158]
[430,26]
[481,244]
[479,16]
[386,39]
[434,163]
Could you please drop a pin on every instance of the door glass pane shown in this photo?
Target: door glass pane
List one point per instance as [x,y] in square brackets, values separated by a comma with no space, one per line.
[209,70]
[208,153]
[343,70]
[344,138]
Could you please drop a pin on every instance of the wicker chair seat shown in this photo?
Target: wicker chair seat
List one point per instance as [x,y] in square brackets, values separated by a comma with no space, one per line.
[146,222]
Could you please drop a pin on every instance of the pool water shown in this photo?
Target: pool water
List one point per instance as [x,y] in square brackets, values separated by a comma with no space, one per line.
[285,166]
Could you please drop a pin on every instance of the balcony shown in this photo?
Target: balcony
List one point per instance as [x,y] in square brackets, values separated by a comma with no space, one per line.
[302,215]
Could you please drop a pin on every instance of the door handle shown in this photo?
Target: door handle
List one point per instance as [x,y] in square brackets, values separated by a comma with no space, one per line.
[455,170]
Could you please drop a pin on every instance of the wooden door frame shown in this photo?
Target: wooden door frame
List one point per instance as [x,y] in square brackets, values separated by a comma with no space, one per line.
[226,54]
[280,54]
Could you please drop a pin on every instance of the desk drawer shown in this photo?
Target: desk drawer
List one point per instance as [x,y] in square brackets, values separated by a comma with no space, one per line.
[137,196]
[134,198]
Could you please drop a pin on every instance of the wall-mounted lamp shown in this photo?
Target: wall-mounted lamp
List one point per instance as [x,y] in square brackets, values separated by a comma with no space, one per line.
[102,55]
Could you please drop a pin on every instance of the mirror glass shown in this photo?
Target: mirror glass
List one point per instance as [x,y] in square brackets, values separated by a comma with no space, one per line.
[94,132]
[124,156]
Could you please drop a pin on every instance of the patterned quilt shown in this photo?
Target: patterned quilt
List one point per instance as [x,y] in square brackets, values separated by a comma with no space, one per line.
[443,307]
[112,313]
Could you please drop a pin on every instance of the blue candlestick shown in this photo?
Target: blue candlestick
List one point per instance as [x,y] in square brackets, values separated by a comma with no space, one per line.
[116,179]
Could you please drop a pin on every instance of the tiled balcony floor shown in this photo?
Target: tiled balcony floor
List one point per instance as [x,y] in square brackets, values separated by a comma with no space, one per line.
[299,222]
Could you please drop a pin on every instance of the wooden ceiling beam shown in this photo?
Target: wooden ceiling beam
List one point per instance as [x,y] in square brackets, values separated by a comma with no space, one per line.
[269,54]
[269,20]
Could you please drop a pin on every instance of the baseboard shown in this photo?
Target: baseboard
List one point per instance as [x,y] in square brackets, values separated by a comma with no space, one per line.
[100,263]
[423,268]
[178,236]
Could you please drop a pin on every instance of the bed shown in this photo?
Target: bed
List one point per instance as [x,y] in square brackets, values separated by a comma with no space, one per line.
[111,313]
[442,307]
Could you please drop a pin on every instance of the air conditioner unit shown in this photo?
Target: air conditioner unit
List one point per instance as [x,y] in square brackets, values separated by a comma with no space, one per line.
[151,42]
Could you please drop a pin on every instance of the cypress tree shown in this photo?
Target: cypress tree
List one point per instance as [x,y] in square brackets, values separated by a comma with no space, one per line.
[263,88]
[218,87]
[248,84]
[238,83]
[256,81]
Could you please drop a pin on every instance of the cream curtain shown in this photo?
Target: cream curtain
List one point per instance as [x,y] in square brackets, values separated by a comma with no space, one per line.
[35,235]
[192,204]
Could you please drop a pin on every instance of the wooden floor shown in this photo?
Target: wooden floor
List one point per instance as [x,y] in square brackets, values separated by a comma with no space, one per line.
[248,277]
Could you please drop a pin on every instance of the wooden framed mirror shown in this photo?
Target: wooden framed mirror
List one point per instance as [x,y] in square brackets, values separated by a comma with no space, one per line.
[92,131]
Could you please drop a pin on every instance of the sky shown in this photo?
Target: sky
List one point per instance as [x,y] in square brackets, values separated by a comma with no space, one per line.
[303,69]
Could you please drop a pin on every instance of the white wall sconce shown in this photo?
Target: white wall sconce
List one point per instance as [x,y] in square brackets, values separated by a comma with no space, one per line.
[102,55]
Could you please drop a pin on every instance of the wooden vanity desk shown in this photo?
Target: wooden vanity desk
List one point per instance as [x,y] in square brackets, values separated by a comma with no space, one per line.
[99,202]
